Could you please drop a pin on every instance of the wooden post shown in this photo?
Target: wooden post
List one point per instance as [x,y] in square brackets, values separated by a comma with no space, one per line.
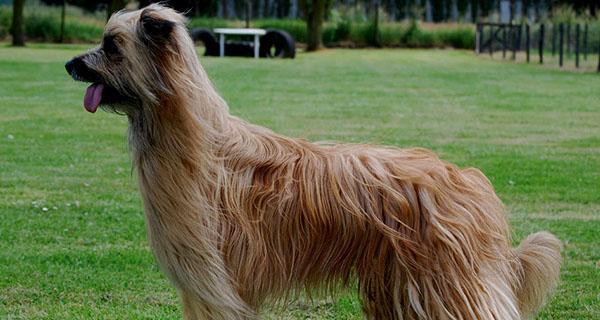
[568,43]
[504,41]
[520,40]
[585,42]
[516,40]
[491,40]
[376,25]
[561,33]
[553,39]
[599,57]
[577,45]
[541,44]
[478,39]
[18,24]
[62,21]
[527,40]
[246,12]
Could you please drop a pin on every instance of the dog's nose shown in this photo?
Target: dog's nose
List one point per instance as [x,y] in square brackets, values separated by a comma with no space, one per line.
[69,66]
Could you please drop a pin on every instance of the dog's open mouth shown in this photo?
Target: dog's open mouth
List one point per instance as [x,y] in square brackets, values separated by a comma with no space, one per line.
[93,97]
[98,93]
[101,94]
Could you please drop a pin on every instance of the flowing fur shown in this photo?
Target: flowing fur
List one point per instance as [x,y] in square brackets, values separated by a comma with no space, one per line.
[239,216]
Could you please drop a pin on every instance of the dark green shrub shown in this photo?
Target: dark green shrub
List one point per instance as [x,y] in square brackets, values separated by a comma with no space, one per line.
[5,19]
[296,28]
[371,36]
[390,34]
[415,37]
[359,34]
[461,38]
[328,35]
[210,23]
[334,33]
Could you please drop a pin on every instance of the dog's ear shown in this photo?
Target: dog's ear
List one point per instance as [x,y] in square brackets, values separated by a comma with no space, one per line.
[155,29]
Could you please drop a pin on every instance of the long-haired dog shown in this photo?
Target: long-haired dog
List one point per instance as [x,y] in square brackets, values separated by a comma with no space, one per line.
[239,216]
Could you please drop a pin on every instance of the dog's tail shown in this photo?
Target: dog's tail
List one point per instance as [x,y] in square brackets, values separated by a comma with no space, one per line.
[538,268]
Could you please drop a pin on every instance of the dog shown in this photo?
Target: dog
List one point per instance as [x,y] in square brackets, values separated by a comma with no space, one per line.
[239,217]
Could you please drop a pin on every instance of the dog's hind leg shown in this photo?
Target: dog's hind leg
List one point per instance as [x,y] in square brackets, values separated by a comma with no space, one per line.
[381,281]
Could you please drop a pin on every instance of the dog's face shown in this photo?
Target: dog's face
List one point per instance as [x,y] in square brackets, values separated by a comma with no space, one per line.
[125,70]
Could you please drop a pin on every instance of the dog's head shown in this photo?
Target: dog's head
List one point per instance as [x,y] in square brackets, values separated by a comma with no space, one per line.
[127,71]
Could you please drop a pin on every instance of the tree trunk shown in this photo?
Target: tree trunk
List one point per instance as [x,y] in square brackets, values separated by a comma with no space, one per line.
[62,21]
[314,13]
[293,14]
[261,8]
[231,12]
[18,34]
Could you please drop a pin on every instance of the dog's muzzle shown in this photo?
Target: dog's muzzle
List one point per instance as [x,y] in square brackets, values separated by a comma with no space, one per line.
[79,71]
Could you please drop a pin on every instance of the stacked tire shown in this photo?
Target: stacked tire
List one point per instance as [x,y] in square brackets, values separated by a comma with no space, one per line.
[277,44]
[208,39]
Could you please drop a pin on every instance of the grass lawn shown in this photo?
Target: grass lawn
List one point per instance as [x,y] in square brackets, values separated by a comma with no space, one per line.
[72,234]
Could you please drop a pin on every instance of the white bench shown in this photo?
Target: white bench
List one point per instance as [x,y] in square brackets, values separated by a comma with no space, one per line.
[244,32]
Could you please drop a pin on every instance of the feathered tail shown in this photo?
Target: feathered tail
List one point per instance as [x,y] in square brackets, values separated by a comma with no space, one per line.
[538,268]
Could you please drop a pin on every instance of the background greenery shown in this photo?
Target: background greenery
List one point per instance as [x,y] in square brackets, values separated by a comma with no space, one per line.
[42,23]
[72,235]
[345,27]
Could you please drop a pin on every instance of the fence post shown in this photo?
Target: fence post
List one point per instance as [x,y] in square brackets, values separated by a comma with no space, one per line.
[577,45]
[491,40]
[527,41]
[503,42]
[553,39]
[478,38]
[247,13]
[515,40]
[561,33]
[541,47]
[520,41]
[568,42]
[585,42]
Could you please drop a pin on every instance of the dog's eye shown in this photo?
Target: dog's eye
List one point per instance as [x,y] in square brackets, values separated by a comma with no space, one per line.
[109,45]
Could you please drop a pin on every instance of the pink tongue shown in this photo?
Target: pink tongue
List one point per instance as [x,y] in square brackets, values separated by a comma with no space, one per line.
[92,98]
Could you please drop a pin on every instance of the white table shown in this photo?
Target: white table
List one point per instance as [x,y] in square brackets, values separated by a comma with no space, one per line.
[244,32]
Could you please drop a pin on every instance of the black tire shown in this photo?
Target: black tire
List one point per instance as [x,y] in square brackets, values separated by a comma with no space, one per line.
[239,49]
[277,44]
[208,39]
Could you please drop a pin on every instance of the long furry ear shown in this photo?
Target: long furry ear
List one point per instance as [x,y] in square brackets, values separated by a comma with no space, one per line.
[155,30]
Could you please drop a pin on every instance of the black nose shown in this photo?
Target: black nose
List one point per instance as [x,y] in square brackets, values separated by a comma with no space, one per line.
[69,66]
[77,65]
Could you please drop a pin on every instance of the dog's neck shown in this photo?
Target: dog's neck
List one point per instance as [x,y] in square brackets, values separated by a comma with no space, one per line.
[191,116]
[174,141]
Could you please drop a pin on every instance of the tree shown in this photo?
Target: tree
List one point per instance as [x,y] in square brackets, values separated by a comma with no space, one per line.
[62,21]
[314,14]
[18,34]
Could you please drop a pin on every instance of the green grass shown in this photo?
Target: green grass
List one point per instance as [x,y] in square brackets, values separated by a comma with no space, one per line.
[72,234]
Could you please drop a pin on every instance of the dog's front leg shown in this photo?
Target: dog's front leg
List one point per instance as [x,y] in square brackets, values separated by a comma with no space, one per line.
[196,309]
